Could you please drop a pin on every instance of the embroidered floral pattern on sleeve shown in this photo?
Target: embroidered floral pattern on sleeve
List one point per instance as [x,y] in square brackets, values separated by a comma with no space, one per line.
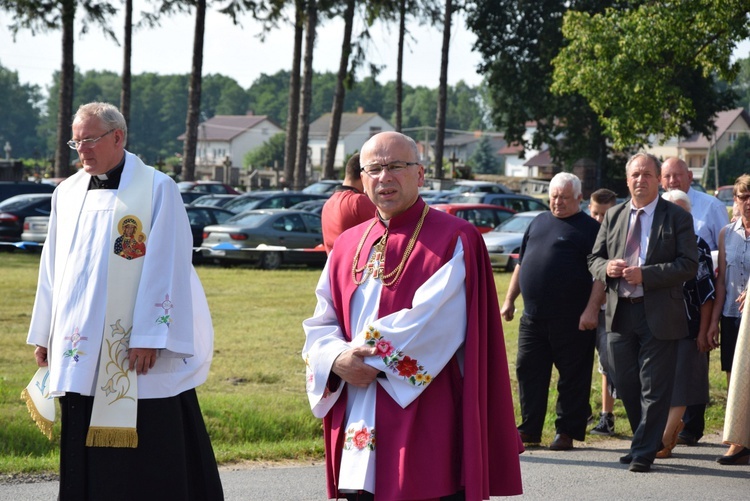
[359,439]
[396,360]
[166,305]
[74,352]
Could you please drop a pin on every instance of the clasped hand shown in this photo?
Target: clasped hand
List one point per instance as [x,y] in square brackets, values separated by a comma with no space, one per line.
[351,367]
[618,268]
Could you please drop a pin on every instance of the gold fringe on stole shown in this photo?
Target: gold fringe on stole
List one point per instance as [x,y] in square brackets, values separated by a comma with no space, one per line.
[44,424]
[99,436]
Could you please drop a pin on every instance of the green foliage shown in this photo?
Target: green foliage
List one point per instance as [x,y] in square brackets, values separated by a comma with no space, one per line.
[483,160]
[269,152]
[735,161]
[648,67]
[518,41]
[20,116]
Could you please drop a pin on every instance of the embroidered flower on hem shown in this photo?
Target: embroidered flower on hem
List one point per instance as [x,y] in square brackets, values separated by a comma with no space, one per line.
[396,360]
[360,439]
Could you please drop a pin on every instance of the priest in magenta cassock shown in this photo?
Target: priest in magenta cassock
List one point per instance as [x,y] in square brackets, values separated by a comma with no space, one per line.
[122,329]
[405,355]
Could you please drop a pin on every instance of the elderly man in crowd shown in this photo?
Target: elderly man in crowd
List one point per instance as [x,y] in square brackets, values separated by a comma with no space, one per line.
[709,217]
[558,326]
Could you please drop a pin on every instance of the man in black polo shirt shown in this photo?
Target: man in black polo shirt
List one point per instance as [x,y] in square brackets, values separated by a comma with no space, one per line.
[561,307]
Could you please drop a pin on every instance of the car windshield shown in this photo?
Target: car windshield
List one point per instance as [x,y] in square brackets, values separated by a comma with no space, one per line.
[18,202]
[516,224]
[249,219]
[319,188]
[244,203]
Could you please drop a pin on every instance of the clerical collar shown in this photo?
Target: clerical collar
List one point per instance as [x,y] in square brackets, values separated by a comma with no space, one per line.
[109,180]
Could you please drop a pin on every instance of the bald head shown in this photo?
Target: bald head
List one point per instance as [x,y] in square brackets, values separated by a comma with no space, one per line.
[675,175]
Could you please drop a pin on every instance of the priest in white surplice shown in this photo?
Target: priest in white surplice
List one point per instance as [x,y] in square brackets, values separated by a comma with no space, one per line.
[118,296]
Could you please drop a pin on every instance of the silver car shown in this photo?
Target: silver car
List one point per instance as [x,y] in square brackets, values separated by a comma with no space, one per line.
[266,237]
[504,242]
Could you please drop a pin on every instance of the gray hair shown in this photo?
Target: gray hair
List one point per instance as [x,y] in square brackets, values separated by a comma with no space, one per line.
[678,196]
[562,179]
[109,115]
[643,154]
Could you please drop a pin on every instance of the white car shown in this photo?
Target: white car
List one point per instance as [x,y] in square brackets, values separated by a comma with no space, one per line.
[504,242]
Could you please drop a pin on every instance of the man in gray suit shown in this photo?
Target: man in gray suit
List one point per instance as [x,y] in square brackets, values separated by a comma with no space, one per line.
[645,250]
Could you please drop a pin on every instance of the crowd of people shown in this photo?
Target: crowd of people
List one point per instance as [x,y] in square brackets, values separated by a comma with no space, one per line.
[404,354]
[667,305]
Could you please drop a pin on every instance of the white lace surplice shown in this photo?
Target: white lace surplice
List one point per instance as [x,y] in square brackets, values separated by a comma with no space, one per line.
[415,344]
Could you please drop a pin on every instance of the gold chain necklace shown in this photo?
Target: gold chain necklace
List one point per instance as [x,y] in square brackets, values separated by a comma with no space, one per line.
[376,264]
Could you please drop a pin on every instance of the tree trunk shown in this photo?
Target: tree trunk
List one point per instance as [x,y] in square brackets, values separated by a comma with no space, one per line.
[338,97]
[67,80]
[194,95]
[292,115]
[300,178]
[400,64]
[126,58]
[443,90]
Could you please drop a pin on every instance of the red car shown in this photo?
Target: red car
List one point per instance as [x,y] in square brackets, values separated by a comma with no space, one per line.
[484,216]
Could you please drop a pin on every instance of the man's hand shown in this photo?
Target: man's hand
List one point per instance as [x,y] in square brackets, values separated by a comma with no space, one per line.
[633,275]
[508,310]
[741,300]
[40,354]
[589,320]
[615,267]
[141,359]
[350,366]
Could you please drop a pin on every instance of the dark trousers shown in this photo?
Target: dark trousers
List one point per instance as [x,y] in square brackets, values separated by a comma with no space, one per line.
[174,458]
[695,420]
[644,369]
[543,343]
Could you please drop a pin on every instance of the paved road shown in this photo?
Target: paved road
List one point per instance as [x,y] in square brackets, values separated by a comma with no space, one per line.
[590,472]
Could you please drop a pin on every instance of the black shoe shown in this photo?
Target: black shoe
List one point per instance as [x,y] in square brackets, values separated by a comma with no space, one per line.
[639,465]
[606,426]
[742,457]
[529,440]
[626,459]
[686,440]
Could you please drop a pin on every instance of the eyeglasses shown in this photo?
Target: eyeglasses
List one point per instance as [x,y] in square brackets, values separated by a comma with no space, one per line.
[743,198]
[376,169]
[74,145]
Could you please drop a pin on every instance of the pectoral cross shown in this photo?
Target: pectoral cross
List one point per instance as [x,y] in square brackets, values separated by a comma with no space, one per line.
[375,266]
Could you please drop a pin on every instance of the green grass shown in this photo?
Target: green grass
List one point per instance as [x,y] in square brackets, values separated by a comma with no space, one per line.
[254,401]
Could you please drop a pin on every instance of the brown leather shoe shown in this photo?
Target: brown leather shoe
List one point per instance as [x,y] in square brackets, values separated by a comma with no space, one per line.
[562,442]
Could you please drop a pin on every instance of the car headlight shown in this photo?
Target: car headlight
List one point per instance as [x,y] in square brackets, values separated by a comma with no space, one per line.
[496,249]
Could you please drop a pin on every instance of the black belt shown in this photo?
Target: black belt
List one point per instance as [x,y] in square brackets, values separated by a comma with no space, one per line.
[631,300]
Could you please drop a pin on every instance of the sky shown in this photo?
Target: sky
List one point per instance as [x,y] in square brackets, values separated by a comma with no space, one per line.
[235,51]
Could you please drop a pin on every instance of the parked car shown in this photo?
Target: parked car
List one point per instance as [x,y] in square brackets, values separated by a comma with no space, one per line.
[266,237]
[269,200]
[14,210]
[35,229]
[504,242]
[436,196]
[314,206]
[202,216]
[726,194]
[12,188]
[484,216]
[188,197]
[214,199]
[519,203]
[469,186]
[323,187]
[206,187]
